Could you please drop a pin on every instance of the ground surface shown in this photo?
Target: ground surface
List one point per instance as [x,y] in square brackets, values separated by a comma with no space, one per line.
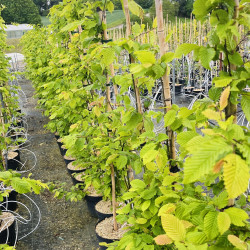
[64,225]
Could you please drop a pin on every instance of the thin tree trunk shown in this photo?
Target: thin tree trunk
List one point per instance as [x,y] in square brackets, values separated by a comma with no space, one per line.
[165,78]
[135,81]
[113,197]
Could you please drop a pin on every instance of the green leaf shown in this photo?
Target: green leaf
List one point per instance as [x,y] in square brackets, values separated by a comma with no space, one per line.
[167,57]
[20,185]
[110,6]
[210,225]
[206,56]
[141,220]
[237,216]
[184,49]
[145,205]
[196,237]
[200,9]
[173,227]
[169,118]
[224,222]
[236,175]
[245,104]
[121,162]
[235,59]
[184,137]
[108,56]
[135,8]
[214,94]
[145,57]
[204,158]
[150,156]
[138,184]
[221,82]
[237,242]
[167,209]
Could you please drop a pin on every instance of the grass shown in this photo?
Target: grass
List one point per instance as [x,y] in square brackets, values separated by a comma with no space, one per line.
[14,42]
[45,20]
[115,18]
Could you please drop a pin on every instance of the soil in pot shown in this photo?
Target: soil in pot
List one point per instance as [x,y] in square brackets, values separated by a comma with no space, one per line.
[71,168]
[77,178]
[12,163]
[92,198]
[68,159]
[104,209]
[7,229]
[105,231]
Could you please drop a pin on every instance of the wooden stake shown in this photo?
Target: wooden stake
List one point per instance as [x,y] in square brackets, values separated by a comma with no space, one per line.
[113,197]
[165,78]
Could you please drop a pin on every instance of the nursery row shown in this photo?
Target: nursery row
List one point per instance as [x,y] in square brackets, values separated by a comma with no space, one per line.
[172,177]
[13,144]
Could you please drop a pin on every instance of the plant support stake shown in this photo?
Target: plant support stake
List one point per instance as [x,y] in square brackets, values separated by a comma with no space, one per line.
[165,78]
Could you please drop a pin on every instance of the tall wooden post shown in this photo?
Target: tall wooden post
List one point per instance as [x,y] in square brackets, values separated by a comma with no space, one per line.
[165,78]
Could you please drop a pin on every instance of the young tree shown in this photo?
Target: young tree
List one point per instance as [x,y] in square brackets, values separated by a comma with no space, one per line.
[19,11]
[186,7]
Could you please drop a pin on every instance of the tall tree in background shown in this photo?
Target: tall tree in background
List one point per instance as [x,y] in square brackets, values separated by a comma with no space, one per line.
[186,8]
[42,5]
[169,8]
[20,11]
[145,4]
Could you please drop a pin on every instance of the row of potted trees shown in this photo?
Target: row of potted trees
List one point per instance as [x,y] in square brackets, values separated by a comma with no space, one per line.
[194,199]
[11,182]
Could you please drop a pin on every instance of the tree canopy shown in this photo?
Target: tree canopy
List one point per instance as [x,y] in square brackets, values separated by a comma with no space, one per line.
[20,11]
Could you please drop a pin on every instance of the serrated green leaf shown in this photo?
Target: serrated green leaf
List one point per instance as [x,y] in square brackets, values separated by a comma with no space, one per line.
[203,160]
[237,216]
[206,55]
[184,49]
[236,175]
[121,162]
[224,222]
[173,227]
[169,118]
[210,225]
[245,104]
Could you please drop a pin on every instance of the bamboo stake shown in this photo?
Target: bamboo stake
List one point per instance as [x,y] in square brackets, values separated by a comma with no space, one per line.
[165,78]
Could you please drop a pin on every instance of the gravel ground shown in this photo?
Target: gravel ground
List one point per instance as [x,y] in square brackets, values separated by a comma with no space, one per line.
[64,225]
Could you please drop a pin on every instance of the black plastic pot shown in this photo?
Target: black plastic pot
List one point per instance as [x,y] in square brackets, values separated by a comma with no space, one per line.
[11,204]
[102,216]
[178,88]
[9,235]
[13,163]
[67,161]
[63,151]
[70,171]
[57,137]
[91,202]
[101,239]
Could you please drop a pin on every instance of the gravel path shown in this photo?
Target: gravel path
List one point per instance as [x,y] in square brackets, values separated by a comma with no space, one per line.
[64,225]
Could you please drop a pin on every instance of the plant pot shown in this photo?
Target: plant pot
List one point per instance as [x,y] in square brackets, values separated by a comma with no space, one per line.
[63,150]
[74,169]
[188,90]
[8,232]
[92,200]
[178,88]
[103,209]
[11,203]
[57,136]
[68,159]
[104,225]
[77,178]
[12,162]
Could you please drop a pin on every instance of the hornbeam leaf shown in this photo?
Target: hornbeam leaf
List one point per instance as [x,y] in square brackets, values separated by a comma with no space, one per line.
[245,104]
[204,158]
[238,243]
[236,175]
[224,98]
[169,118]
[162,240]
[173,227]
[224,222]
[184,49]
[206,56]
[135,8]
[210,225]
[237,216]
